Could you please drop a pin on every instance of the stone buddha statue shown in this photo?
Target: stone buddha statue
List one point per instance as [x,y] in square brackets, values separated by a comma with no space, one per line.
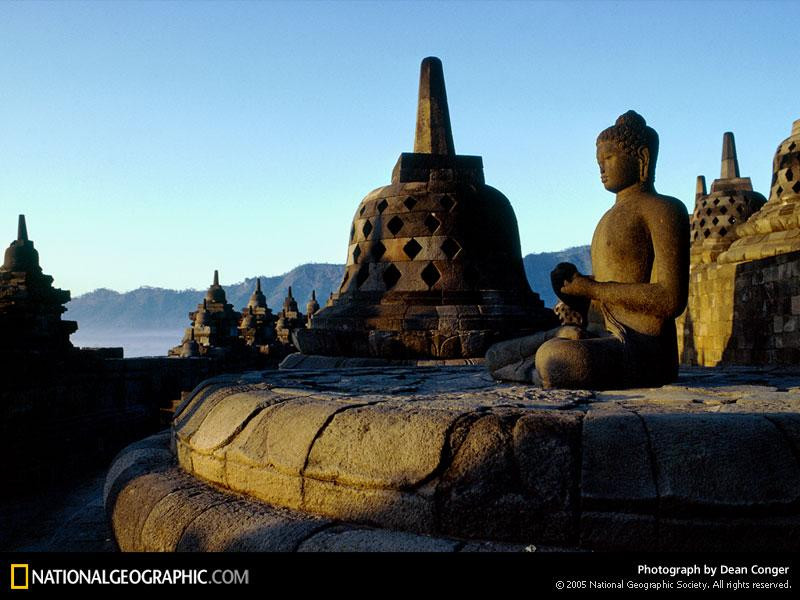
[640,259]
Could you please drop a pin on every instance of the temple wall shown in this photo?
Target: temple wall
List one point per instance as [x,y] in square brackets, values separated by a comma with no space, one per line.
[743,313]
[63,419]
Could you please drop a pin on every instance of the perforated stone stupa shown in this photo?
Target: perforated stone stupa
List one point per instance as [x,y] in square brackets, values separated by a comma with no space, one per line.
[434,266]
[716,215]
[775,229]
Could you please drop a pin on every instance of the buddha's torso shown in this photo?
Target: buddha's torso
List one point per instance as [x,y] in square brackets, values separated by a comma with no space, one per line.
[622,251]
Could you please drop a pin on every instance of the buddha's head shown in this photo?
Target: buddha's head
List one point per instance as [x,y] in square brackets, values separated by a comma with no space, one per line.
[627,152]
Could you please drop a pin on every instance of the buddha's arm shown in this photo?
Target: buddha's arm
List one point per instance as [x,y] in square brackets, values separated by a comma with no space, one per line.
[665,297]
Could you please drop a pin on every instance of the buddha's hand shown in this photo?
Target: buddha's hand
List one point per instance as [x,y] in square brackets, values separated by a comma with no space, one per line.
[562,273]
[578,285]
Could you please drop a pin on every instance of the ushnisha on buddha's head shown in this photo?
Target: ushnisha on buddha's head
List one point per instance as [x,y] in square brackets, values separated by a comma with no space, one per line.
[627,152]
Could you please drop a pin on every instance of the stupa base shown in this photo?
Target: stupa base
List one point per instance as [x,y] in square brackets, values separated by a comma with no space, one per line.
[447,459]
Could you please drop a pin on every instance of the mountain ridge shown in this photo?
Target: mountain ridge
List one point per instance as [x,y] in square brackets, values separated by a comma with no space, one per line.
[157,308]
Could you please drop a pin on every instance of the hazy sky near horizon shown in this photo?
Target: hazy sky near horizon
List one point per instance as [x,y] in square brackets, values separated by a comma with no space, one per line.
[149,143]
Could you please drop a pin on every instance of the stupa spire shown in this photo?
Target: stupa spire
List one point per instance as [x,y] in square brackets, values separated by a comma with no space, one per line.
[216,277]
[730,164]
[434,134]
[258,284]
[22,230]
[700,187]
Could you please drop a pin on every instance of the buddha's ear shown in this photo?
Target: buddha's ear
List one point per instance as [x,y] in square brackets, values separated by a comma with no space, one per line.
[644,163]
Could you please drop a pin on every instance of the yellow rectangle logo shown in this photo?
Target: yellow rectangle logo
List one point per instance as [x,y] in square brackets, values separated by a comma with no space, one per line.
[16,575]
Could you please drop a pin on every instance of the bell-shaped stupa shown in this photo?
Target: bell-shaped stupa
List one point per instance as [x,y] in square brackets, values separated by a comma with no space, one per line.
[215,326]
[716,215]
[30,307]
[775,229]
[434,265]
[257,327]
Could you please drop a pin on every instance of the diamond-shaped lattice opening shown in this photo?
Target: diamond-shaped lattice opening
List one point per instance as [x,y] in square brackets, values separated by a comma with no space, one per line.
[430,275]
[796,187]
[694,237]
[723,209]
[432,223]
[412,248]
[377,250]
[715,220]
[381,206]
[362,275]
[774,179]
[708,211]
[395,224]
[410,202]
[789,175]
[740,209]
[391,276]
[447,202]
[731,220]
[779,191]
[367,228]
[356,254]
[716,201]
[363,208]
[706,232]
[702,222]
[792,146]
[450,248]
[352,232]
[723,231]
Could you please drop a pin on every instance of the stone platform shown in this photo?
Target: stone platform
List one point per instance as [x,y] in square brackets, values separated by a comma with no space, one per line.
[445,458]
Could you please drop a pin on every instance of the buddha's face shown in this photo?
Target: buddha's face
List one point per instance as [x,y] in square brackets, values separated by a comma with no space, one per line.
[618,169]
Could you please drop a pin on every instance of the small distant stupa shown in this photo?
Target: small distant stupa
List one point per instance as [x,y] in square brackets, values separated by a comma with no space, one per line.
[434,265]
[30,307]
[290,319]
[257,327]
[312,307]
[215,326]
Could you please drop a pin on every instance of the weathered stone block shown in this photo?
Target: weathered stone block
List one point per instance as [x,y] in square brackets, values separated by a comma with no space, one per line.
[547,450]
[740,462]
[392,509]
[616,470]
[244,526]
[380,446]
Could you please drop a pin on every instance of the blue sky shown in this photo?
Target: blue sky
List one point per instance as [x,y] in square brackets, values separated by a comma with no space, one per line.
[149,143]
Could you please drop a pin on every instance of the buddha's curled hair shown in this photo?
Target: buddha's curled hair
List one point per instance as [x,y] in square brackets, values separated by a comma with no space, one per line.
[631,132]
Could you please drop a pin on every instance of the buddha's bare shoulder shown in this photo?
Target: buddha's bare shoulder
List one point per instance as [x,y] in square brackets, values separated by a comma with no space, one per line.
[663,207]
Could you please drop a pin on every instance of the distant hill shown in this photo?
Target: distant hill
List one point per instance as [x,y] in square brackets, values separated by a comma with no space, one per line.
[153,308]
[538,267]
[147,309]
